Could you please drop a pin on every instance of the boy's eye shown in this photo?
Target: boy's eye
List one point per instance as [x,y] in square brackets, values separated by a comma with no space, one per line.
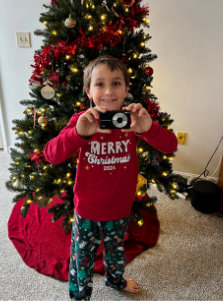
[99,84]
[117,83]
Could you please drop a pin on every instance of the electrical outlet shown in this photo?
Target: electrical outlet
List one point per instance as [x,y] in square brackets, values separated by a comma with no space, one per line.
[181,138]
[23,39]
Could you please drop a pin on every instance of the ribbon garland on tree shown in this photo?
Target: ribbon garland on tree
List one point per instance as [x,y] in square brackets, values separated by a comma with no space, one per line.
[152,107]
[109,37]
[54,77]
[37,157]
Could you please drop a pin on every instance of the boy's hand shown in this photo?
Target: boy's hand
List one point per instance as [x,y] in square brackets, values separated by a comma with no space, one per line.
[141,120]
[87,124]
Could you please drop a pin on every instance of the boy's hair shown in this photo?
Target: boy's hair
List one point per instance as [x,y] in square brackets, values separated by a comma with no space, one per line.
[111,62]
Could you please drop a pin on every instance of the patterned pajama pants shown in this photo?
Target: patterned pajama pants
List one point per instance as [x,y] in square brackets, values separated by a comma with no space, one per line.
[86,239]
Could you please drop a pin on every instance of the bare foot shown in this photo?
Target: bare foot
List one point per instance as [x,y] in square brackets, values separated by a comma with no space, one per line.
[131,286]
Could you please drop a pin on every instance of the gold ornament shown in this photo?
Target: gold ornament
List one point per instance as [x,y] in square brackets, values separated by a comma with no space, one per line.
[70,23]
[43,121]
[141,182]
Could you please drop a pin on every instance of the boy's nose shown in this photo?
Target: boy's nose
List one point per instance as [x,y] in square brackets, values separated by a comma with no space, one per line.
[109,91]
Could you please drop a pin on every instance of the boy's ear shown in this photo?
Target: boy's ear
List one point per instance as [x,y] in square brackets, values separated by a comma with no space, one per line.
[126,91]
[87,90]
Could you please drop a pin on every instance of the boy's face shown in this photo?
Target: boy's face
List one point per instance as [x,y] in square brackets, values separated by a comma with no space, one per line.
[107,87]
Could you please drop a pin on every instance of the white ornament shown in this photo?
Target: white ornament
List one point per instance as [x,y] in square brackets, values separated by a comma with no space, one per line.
[47,92]
[34,84]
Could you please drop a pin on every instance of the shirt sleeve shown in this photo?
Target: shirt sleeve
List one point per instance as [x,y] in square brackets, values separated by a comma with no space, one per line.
[160,138]
[65,144]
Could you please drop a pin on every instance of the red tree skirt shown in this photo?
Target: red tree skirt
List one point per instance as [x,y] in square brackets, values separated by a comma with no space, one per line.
[44,246]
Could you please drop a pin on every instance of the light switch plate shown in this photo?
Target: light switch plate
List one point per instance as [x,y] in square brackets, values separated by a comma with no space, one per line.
[23,39]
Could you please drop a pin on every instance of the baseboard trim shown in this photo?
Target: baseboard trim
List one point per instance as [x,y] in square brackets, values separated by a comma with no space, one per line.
[192,176]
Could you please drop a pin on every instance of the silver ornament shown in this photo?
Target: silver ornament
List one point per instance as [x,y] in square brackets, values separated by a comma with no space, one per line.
[130,96]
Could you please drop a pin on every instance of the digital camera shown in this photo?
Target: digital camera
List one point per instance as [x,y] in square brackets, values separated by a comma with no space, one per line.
[113,119]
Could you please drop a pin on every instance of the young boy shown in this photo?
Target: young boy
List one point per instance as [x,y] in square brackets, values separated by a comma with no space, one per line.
[106,176]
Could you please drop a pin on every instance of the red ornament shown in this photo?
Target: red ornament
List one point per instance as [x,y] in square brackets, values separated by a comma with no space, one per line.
[149,71]
[54,3]
[125,60]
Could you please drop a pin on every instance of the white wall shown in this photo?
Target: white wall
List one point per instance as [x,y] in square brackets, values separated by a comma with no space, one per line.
[15,69]
[188,76]
[186,36]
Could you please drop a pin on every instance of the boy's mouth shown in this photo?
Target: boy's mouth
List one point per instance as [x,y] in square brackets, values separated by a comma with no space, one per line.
[108,100]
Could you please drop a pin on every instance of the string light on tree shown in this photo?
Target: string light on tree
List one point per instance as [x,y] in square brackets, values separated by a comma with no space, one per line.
[103,17]
[140,222]
[88,16]
[145,21]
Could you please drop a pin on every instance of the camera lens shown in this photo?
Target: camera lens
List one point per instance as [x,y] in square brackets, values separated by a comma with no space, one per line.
[119,120]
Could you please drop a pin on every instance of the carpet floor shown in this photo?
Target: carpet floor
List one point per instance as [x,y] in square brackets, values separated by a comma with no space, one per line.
[186,264]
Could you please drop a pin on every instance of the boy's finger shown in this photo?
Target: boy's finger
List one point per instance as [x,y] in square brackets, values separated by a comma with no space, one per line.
[130,106]
[136,107]
[129,130]
[104,131]
[101,109]
[94,112]
[88,115]
[142,111]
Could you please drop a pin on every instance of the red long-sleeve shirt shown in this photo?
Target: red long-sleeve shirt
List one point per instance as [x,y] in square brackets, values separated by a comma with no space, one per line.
[107,172]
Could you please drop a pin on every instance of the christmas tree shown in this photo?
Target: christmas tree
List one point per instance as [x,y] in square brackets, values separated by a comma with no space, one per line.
[77,32]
